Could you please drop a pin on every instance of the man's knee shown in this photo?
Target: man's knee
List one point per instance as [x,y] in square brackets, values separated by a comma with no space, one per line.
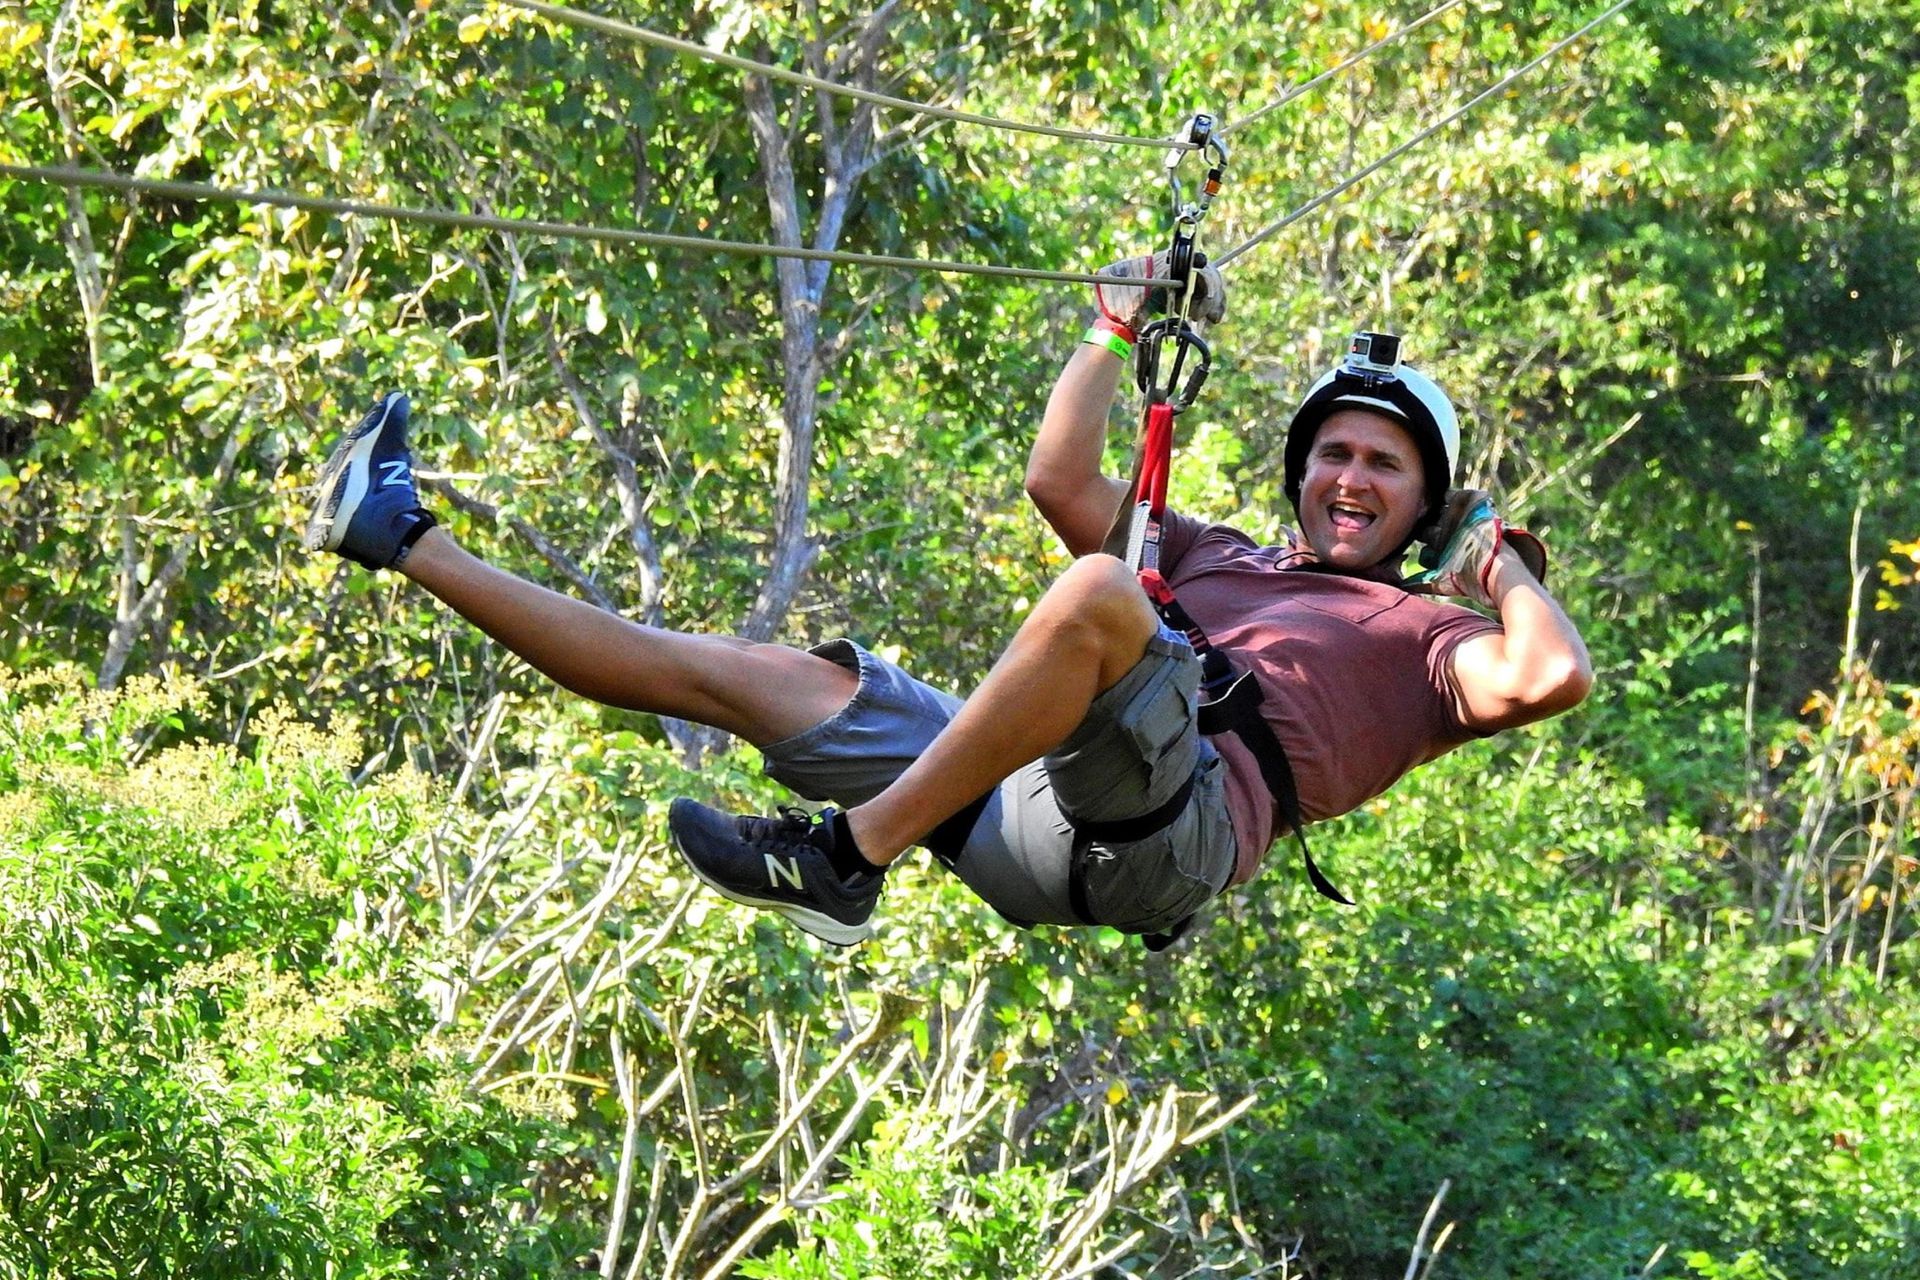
[767,692]
[779,662]
[1104,586]
[821,683]
[1098,608]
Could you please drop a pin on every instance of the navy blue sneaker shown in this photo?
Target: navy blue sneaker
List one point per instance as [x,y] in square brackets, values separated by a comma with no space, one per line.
[368,510]
[779,864]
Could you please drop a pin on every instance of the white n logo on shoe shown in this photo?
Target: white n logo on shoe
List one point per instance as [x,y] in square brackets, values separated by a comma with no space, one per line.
[788,870]
[396,472]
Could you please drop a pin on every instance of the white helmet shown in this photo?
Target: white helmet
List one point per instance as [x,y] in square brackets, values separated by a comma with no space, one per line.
[1372,377]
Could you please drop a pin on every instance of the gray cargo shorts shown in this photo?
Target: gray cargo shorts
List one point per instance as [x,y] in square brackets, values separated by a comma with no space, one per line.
[1137,746]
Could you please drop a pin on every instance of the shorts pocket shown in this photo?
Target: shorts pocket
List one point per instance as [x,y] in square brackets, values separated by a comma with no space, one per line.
[1150,885]
[1137,744]
[1159,721]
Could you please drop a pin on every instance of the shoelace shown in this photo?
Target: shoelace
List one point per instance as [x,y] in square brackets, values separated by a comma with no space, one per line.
[794,827]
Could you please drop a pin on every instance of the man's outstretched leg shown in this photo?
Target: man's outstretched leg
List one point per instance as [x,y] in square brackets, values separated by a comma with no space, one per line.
[369,512]
[1086,634]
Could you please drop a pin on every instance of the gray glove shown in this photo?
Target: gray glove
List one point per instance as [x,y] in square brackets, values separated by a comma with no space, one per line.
[1462,544]
[1135,307]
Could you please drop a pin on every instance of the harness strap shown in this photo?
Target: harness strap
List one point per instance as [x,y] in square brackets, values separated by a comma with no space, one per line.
[1239,714]
[1077,877]
[1077,899]
[1127,830]
[1175,931]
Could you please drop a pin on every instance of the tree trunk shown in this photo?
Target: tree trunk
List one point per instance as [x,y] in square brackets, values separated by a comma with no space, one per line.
[846,151]
[76,233]
[793,550]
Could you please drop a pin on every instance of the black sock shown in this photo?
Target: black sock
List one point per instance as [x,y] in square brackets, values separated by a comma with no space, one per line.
[844,854]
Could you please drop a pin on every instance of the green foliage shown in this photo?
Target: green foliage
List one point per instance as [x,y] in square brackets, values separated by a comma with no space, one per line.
[902,1209]
[212,1057]
[1636,983]
[1566,1013]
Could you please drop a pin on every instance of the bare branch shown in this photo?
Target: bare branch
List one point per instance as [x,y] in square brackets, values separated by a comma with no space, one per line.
[549,551]
[1426,1225]
[881,1023]
[626,483]
[623,1068]
[1132,1156]
[775,1212]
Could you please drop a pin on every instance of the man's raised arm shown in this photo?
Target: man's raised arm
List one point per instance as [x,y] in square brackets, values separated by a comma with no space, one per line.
[1535,666]
[1064,476]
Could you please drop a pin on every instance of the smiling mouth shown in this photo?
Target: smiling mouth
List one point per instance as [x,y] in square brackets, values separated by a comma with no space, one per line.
[1349,519]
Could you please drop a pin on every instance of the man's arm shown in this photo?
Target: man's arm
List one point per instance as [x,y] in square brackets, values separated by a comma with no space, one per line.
[1064,476]
[1537,668]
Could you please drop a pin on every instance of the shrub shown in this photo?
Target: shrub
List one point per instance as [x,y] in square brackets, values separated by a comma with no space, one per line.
[213,1057]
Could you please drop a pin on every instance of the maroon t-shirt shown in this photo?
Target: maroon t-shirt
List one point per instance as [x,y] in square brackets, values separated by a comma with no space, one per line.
[1354,674]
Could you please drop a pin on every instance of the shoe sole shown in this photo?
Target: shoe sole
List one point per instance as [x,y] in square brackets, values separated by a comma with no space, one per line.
[345,481]
[817,923]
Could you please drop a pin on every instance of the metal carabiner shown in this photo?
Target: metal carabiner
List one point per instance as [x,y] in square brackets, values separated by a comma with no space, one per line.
[1181,257]
[1199,137]
[1196,134]
[1147,362]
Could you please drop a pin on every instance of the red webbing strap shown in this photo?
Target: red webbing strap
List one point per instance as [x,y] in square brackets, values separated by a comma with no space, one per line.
[1152,460]
[1150,492]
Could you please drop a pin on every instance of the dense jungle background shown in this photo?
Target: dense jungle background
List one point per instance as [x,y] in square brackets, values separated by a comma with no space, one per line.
[333,942]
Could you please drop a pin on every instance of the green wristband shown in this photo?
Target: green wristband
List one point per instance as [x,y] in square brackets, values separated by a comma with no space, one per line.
[1112,341]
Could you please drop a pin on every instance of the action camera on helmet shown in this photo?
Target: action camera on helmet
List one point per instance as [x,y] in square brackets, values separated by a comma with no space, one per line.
[1374,356]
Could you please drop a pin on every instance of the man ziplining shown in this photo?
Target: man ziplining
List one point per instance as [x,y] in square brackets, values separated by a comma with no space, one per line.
[1080,783]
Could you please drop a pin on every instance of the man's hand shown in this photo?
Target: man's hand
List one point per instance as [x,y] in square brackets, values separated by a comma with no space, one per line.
[1462,545]
[1134,307]
[1536,665]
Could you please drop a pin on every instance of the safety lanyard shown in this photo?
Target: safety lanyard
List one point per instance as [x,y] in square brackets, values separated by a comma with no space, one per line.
[1167,385]
[1169,382]
[1148,511]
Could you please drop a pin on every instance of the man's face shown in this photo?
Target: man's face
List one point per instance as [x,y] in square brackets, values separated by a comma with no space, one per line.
[1363,490]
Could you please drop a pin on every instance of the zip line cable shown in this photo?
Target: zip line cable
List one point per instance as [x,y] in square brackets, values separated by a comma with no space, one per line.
[201,192]
[579,18]
[72,177]
[614,27]
[1301,89]
[1272,229]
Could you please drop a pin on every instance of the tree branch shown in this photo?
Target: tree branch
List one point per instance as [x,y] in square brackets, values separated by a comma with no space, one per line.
[137,608]
[549,551]
[626,483]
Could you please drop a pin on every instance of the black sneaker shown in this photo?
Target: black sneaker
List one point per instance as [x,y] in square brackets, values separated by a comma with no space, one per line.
[779,864]
[368,509]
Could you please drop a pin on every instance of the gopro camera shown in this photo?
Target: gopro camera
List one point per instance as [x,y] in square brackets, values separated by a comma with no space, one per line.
[1375,356]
